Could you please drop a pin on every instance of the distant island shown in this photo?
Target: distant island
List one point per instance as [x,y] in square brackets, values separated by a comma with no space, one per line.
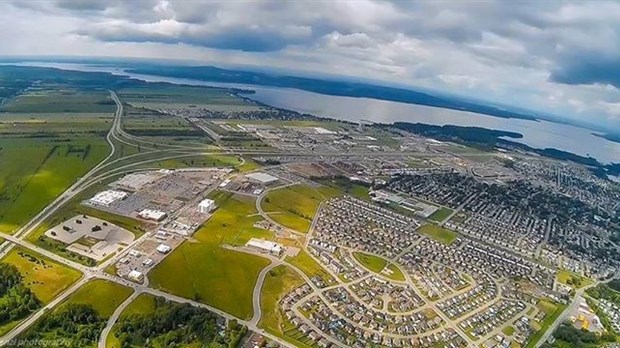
[329,87]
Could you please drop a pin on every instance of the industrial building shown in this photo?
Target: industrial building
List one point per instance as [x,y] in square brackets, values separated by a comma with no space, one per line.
[105,198]
[163,248]
[135,276]
[263,178]
[265,246]
[150,214]
[206,206]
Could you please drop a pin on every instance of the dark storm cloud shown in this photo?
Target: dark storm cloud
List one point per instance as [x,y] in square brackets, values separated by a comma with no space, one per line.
[589,70]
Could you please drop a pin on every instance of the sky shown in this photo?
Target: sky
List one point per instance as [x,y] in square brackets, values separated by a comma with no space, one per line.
[556,57]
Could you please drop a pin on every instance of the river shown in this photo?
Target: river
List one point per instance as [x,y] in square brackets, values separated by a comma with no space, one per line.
[537,134]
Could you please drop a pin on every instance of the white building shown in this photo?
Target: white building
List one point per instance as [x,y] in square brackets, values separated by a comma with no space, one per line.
[135,276]
[163,248]
[263,178]
[206,206]
[150,214]
[108,197]
[265,246]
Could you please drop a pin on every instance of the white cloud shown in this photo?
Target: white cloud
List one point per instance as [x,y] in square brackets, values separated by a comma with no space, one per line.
[557,57]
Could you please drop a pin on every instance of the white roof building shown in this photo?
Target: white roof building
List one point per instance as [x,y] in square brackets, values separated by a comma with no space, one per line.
[163,248]
[135,276]
[206,205]
[108,197]
[263,178]
[265,245]
[150,214]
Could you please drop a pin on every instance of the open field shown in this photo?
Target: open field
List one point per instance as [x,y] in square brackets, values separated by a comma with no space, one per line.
[552,312]
[279,281]
[440,214]
[162,96]
[572,279]
[34,171]
[295,206]
[103,295]
[203,270]
[309,266]
[349,187]
[44,277]
[56,99]
[437,233]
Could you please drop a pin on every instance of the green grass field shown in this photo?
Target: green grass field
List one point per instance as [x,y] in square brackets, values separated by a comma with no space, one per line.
[311,268]
[204,271]
[44,277]
[552,311]
[295,206]
[440,214]
[437,233]
[35,171]
[397,273]
[103,295]
[371,262]
[176,96]
[279,281]
[572,279]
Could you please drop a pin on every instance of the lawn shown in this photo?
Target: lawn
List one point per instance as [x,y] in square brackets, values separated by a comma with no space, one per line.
[508,330]
[572,279]
[440,214]
[294,206]
[44,277]
[105,296]
[202,270]
[438,233]
[396,274]
[279,281]
[371,262]
[309,266]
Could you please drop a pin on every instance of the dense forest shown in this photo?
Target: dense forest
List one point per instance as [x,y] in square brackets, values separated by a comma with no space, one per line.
[174,324]
[72,326]
[16,300]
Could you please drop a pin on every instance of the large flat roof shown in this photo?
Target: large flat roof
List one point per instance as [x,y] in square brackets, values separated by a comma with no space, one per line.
[262,177]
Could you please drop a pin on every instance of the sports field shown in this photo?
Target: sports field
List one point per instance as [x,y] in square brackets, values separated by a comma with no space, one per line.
[438,233]
[203,270]
[295,206]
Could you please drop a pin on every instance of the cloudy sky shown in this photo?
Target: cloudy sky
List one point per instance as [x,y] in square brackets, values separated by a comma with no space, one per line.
[553,56]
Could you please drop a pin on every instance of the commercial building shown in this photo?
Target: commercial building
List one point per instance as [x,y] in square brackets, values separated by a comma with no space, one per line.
[150,214]
[265,246]
[135,276]
[163,248]
[206,206]
[108,197]
[263,178]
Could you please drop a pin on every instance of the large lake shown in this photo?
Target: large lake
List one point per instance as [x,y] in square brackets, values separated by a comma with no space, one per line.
[538,134]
